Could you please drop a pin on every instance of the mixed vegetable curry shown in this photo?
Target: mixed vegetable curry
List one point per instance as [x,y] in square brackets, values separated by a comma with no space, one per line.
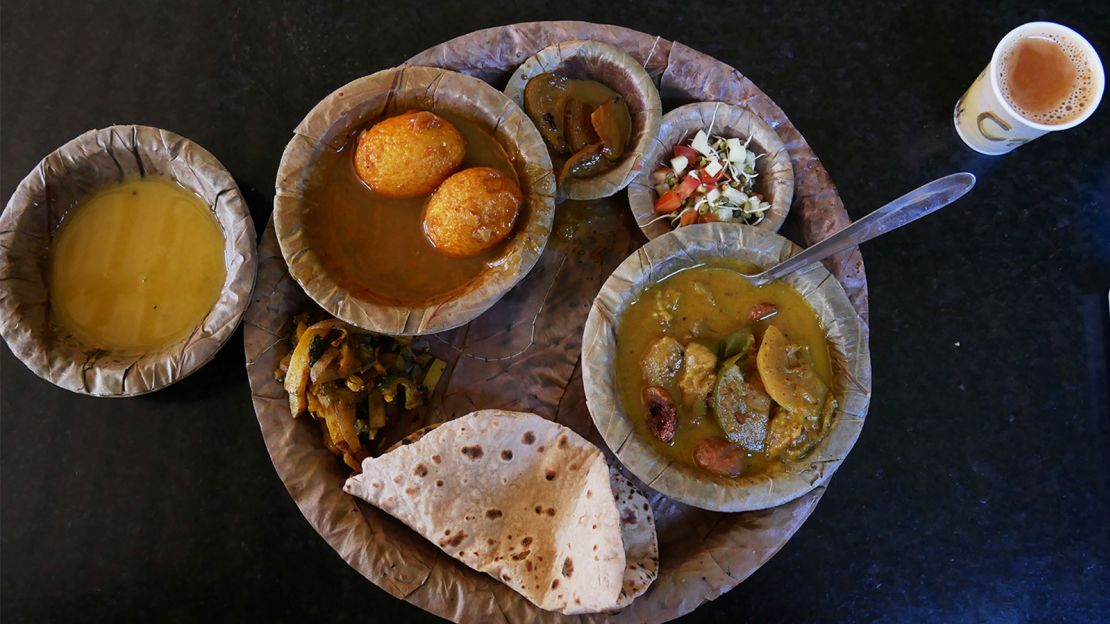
[722,375]
[355,382]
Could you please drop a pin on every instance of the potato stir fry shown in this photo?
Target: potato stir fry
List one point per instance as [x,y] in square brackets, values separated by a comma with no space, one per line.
[355,382]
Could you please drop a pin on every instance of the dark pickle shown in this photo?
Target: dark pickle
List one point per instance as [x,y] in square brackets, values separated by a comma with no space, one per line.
[587,126]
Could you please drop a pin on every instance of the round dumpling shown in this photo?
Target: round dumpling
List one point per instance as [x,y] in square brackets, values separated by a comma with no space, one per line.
[472,211]
[409,155]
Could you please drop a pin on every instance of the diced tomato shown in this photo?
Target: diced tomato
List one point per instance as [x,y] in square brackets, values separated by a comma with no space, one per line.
[668,203]
[672,199]
[762,311]
[688,186]
[709,217]
[690,153]
[689,217]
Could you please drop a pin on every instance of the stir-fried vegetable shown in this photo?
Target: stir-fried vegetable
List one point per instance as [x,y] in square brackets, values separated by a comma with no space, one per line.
[711,179]
[354,381]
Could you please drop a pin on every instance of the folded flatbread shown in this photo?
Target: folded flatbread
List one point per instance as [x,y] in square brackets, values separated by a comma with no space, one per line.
[641,550]
[525,500]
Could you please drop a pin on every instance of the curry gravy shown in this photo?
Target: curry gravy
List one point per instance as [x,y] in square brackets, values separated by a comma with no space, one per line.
[696,318]
[136,266]
[375,246]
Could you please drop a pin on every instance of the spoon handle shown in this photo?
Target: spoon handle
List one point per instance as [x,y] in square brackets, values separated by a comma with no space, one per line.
[910,207]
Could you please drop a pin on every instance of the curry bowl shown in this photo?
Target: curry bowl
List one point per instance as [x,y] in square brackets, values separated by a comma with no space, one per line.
[29,231]
[775,174]
[616,70]
[621,420]
[344,251]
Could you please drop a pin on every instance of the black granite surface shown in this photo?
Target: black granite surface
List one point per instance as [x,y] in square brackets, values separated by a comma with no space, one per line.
[978,491]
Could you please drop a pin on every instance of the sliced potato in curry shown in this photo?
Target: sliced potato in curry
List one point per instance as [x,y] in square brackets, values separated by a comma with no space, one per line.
[787,374]
[816,427]
[310,346]
[337,409]
[348,359]
[326,368]
[784,430]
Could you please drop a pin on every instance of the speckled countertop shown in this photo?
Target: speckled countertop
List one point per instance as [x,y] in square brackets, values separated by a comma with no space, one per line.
[979,489]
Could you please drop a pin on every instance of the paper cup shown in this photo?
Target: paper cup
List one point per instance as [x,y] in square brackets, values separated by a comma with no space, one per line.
[989,124]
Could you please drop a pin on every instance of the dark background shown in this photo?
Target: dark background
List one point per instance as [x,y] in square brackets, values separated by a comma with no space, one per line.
[978,490]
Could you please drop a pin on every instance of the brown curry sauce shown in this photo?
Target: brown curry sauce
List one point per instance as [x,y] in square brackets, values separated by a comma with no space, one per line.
[375,246]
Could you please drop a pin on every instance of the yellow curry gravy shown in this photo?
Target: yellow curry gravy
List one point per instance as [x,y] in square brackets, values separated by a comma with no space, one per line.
[693,316]
[136,266]
[375,246]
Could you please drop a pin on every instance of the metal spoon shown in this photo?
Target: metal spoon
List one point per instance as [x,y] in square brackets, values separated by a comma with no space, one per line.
[910,207]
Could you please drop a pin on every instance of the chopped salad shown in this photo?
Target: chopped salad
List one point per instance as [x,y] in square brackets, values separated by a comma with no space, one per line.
[708,179]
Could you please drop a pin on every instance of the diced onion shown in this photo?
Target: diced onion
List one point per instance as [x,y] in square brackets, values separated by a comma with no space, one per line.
[734,196]
[679,163]
[734,147]
[701,143]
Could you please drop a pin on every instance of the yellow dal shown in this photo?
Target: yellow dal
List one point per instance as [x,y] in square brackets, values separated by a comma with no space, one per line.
[136,266]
